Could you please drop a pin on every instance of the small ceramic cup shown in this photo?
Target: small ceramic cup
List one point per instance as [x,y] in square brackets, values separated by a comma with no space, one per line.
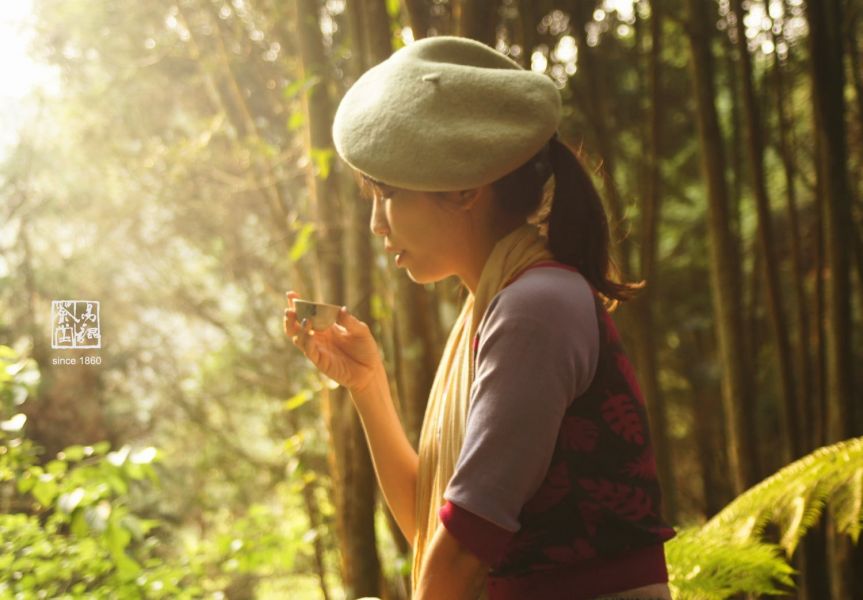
[320,315]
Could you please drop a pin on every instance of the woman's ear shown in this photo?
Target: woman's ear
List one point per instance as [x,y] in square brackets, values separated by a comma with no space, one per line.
[467,199]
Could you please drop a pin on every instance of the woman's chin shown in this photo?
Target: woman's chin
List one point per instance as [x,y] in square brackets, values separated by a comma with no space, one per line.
[424,278]
[413,277]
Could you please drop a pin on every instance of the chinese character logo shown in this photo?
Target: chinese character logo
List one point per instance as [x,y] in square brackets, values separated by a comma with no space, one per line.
[75,324]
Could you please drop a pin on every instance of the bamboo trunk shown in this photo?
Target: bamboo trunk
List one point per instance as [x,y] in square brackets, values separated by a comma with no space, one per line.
[828,79]
[755,147]
[419,17]
[724,264]
[353,478]
[476,19]
[829,105]
[646,349]
[805,409]
[580,12]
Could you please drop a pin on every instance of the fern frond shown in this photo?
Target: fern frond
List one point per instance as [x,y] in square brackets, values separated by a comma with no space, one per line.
[704,567]
[794,498]
[726,556]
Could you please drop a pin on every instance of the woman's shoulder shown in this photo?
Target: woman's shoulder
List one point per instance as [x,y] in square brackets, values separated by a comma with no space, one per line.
[546,289]
[555,306]
[547,293]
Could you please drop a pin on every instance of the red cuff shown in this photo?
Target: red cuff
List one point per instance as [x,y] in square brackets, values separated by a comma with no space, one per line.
[485,539]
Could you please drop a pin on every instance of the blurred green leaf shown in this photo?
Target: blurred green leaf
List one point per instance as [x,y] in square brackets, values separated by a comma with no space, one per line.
[57,468]
[393,9]
[297,400]
[293,89]
[302,244]
[44,490]
[296,120]
[322,159]
[73,453]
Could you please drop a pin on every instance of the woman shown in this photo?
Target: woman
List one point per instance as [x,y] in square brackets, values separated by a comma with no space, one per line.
[535,476]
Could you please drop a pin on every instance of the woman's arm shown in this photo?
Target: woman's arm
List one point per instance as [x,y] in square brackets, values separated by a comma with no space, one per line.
[450,570]
[396,462]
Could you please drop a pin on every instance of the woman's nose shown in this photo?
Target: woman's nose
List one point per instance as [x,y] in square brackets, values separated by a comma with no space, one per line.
[378,223]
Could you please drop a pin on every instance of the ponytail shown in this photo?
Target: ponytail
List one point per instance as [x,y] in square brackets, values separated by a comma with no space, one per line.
[576,225]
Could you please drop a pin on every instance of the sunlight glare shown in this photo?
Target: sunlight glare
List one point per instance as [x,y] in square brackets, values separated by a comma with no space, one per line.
[19,74]
[538,62]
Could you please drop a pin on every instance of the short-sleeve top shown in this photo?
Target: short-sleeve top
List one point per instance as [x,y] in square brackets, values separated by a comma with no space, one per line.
[538,350]
[555,486]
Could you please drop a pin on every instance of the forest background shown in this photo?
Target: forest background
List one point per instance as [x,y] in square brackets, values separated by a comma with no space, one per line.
[173,161]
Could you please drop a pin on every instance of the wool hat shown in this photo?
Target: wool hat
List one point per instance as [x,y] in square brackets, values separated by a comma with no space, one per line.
[445,113]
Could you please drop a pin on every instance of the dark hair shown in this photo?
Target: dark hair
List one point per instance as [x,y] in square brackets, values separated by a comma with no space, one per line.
[576,223]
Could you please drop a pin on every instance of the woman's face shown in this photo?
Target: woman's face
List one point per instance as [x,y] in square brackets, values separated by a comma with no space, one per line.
[421,229]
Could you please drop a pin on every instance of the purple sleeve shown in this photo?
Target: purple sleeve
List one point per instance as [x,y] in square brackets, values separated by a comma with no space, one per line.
[538,350]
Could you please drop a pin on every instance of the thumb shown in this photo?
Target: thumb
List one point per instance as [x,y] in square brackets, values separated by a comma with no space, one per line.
[349,321]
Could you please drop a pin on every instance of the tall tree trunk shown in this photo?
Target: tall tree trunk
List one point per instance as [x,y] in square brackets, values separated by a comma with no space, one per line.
[527,31]
[811,556]
[856,70]
[313,512]
[419,16]
[476,19]
[709,433]
[805,400]
[724,264]
[580,12]
[856,190]
[820,425]
[351,467]
[791,443]
[415,345]
[643,307]
[738,166]
[377,40]
[816,579]
[418,352]
[825,23]
[828,78]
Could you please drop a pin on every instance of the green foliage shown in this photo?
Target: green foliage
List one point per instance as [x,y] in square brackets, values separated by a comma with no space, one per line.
[70,526]
[303,242]
[18,379]
[188,218]
[323,159]
[66,527]
[704,567]
[794,498]
[727,556]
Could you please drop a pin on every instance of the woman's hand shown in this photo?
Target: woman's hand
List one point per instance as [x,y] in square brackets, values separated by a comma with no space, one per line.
[345,352]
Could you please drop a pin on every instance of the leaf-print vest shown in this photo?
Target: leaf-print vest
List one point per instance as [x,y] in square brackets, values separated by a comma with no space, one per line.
[601,495]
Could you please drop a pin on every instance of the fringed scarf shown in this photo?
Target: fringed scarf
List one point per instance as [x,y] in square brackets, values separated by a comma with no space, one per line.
[443,426]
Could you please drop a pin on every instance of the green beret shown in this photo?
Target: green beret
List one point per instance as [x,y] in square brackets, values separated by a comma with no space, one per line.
[444,114]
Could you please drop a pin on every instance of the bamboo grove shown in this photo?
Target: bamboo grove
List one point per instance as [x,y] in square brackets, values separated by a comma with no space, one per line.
[180,169]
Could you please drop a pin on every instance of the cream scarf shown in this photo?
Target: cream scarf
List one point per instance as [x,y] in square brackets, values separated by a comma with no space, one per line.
[443,426]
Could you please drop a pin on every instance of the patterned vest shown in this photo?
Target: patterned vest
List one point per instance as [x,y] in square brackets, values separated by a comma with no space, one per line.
[601,495]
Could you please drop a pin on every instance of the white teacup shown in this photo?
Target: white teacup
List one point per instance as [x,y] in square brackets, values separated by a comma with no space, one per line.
[319,314]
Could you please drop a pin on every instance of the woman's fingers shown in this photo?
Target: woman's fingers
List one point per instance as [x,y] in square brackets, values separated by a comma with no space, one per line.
[302,337]
[291,326]
[289,296]
[349,322]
